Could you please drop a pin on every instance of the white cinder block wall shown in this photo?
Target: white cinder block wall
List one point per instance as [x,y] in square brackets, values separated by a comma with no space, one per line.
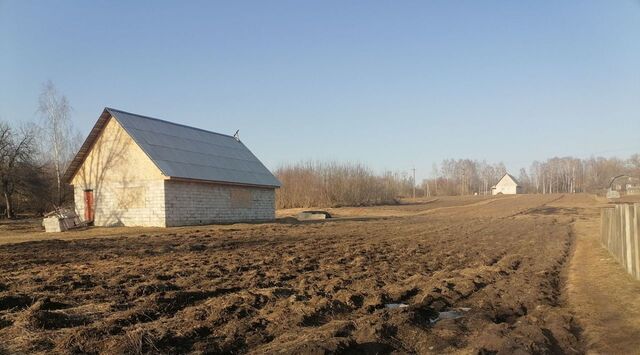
[191,203]
[140,204]
[506,189]
[164,203]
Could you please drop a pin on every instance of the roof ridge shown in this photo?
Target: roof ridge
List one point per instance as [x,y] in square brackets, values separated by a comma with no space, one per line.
[165,121]
[513,178]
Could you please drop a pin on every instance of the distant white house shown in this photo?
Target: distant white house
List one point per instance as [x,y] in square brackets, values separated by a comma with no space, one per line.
[508,185]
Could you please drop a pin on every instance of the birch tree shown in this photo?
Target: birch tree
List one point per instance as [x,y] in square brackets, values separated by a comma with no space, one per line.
[435,176]
[55,110]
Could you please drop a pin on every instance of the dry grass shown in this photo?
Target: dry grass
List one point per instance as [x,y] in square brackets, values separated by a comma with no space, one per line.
[603,296]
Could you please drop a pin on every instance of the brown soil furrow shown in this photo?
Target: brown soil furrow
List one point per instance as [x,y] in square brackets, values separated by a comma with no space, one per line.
[304,287]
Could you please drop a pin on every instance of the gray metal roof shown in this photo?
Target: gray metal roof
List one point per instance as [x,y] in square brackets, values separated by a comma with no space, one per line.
[181,151]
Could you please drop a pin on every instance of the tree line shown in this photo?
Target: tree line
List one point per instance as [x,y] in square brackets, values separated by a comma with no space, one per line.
[554,175]
[577,175]
[307,184]
[462,177]
[34,156]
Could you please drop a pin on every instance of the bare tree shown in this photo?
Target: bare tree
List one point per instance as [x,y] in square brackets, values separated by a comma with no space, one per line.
[435,175]
[339,184]
[465,176]
[16,151]
[525,180]
[307,184]
[536,175]
[55,110]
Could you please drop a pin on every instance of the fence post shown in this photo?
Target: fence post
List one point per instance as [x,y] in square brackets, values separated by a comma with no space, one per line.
[608,227]
[628,257]
[636,237]
[603,225]
[617,230]
[620,235]
[612,224]
[612,229]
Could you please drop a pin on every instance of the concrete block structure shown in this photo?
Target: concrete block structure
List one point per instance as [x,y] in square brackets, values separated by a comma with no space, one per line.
[508,185]
[134,170]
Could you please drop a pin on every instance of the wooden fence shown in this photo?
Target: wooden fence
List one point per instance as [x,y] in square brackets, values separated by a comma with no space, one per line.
[620,234]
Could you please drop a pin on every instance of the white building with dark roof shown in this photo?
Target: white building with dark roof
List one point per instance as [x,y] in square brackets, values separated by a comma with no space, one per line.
[134,170]
[508,185]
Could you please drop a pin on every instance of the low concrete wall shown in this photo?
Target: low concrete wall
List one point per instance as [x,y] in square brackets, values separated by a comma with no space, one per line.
[620,234]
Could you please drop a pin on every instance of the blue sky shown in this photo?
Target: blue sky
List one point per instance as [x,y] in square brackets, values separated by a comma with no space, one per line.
[393,84]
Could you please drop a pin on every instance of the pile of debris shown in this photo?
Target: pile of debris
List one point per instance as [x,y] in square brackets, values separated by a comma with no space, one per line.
[312,215]
[62,219]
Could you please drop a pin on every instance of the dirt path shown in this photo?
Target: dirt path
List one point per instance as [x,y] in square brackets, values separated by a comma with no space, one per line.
[603,297]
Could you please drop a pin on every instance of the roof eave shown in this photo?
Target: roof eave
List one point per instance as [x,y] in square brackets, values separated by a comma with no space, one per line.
[176,178]
[86,147]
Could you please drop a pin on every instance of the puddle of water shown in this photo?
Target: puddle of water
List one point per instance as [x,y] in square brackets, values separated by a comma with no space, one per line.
[453,314]
[396,305]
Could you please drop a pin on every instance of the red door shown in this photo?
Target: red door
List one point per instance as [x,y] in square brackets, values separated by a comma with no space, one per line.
[88,205]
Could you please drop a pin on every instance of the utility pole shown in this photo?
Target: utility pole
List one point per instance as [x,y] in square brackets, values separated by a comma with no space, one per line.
[414,183]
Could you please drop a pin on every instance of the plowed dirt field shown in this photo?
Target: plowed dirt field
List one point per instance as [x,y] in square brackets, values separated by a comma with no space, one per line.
[459,275]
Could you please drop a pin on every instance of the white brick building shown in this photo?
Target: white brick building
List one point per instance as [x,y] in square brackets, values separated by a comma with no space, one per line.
[134,170]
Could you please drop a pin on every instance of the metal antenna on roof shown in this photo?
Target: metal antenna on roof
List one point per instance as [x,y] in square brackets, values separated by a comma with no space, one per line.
[237,135]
